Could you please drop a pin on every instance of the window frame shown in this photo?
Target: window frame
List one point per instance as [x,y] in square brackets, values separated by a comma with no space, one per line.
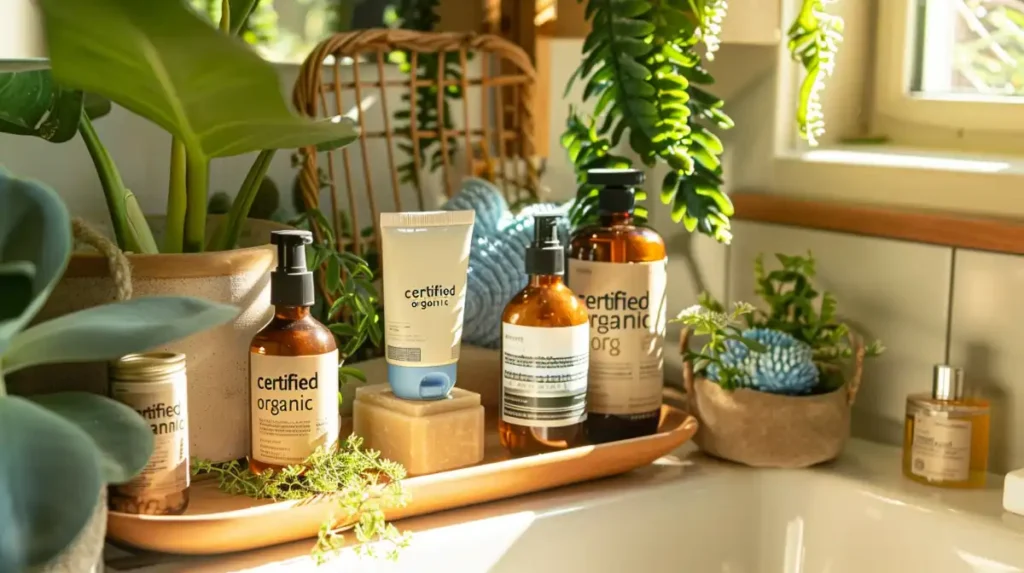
[768,156]
[894,68]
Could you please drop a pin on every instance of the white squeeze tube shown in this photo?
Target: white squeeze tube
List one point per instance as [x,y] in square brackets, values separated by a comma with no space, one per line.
[426,258]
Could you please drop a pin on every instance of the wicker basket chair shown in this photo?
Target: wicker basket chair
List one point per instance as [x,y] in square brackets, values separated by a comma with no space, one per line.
[496,141]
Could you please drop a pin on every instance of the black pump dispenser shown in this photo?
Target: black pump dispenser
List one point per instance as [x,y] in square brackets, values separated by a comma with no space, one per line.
[546,255]
[291,283]
[617,194]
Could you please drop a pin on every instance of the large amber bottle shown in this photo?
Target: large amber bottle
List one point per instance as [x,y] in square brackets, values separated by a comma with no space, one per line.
[618,268]
[544,356]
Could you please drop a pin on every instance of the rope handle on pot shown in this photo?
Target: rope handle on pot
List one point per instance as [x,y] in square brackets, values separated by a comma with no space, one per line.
[688,382]
[859,352]
[852,385]
[117,262]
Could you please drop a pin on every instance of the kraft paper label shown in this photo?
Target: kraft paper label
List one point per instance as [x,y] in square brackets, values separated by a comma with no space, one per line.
[294,406]
[164,406]
[941,449]
[626,303]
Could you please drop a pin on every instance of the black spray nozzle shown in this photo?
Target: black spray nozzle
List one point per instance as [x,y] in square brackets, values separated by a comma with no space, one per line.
[545,256]
[616,194]
[291,283]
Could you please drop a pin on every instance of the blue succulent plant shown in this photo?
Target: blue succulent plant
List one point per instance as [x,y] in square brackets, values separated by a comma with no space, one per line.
[785,367]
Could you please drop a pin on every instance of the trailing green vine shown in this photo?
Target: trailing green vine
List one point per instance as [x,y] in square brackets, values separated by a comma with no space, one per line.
[814,40]
[642,67]
[362,483]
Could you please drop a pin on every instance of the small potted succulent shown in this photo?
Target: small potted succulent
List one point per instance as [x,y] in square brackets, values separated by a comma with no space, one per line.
[774,388]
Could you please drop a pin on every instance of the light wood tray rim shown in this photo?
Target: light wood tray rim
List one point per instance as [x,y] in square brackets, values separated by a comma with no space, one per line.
[486,482]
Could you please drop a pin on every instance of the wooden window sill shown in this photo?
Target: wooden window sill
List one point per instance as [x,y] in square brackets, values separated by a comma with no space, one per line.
[931,227]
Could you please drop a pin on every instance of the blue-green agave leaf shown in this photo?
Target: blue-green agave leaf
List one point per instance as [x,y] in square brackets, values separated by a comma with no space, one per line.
[50,483]
[123,439]
[113,330]
[35,229]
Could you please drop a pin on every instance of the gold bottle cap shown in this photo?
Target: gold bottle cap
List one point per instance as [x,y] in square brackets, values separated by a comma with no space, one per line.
[147,367]
[947,382]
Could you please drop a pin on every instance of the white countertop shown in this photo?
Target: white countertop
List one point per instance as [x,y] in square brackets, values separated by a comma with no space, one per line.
[868,467]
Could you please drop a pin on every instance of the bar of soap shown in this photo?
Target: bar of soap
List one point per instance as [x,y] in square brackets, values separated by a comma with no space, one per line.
[424,436]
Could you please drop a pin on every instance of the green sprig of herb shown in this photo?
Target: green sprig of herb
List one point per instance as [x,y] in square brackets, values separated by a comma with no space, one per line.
[709,318]
[362,483]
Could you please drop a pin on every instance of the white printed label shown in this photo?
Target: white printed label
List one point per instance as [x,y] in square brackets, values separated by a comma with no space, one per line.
[164,406]
[544,375]
[294,406]
[941,448]
[626,305]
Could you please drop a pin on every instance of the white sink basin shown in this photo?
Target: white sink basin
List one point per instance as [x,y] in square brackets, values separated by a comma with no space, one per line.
[688,514]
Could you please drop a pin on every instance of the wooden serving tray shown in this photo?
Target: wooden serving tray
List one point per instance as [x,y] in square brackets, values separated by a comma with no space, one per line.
[216,522]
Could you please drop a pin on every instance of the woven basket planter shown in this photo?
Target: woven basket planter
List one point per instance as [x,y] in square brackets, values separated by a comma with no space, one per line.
[771,430]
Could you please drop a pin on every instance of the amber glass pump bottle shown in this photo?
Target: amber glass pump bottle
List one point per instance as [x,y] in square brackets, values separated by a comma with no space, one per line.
[618,268]
[544,357]
[293,367]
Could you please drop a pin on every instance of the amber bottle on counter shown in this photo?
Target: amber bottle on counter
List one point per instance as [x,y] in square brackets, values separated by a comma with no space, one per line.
[544,354]
[618,268]
[946,434]
[293,367]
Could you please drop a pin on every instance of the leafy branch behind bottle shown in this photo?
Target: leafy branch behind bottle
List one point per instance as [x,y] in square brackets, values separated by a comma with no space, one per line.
[347,281]
[642,67]
[361,482]
[794,308]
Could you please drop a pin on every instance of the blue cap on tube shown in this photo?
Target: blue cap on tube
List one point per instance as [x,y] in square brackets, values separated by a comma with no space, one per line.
[422,382]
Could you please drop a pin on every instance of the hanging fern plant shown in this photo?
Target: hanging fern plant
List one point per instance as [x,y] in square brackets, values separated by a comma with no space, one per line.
[642,66]
[814,40]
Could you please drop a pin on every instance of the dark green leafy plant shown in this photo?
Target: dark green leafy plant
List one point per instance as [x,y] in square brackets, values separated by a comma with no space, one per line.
[345,284]
[795,309]
[362,483]
[642,67]
[813,40]
[709,318]
[160,60]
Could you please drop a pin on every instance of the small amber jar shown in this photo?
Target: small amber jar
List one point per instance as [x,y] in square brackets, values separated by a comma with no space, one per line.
[155,386]
[946,435]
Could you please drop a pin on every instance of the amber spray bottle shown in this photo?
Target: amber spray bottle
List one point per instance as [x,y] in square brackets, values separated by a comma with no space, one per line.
[293,367]
[946,434]
[618,268]
[544,356]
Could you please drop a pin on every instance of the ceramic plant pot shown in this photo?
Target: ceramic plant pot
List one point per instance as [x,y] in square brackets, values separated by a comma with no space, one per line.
[217,359]
[85,554]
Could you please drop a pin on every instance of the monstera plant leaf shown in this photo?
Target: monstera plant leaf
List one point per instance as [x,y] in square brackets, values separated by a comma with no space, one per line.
[33,104]
[57,451]
[163,62]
